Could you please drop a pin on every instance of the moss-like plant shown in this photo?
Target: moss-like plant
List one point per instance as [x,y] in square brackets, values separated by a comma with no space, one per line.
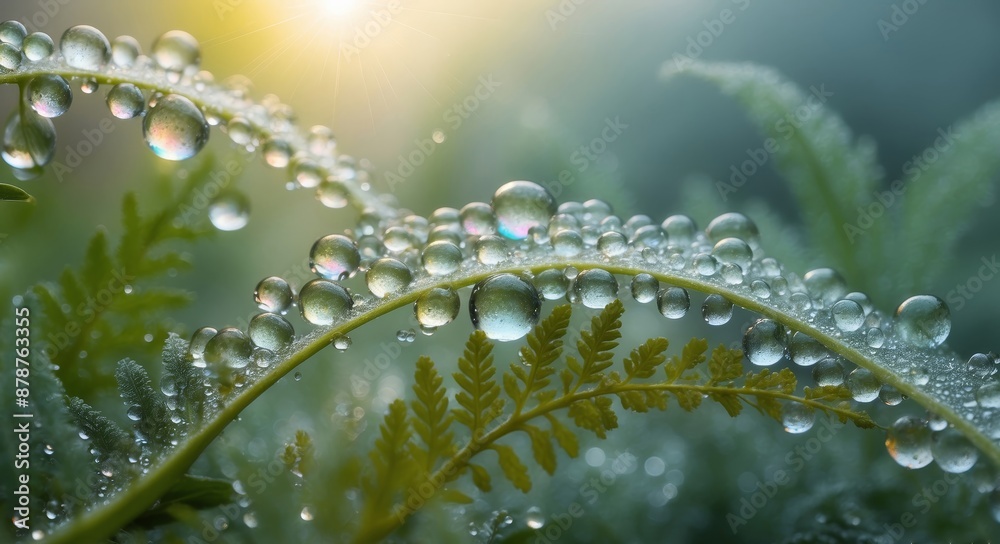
[102,481]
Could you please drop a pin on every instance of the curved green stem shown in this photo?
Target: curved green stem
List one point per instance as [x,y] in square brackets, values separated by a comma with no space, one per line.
[122,508]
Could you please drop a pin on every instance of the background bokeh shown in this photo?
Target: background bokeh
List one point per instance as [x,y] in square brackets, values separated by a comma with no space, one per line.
[561,70]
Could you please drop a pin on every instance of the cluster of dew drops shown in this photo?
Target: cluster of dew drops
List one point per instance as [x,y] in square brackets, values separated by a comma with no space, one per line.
[521,225]
[174,127]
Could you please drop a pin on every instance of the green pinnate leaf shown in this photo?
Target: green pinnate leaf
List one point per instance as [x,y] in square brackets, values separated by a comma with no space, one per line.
[512,467]
[543,347]
[564,437]
[541,447]
[431,419]
[11,193]
[481,477]
[725,365]
[692,355]
[110,441]
[146,406]
[644,360]
[596,344]
[479,398]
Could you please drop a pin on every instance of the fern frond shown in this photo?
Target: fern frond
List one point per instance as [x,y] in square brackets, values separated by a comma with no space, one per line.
[480,397]
[431,419]
[146,407]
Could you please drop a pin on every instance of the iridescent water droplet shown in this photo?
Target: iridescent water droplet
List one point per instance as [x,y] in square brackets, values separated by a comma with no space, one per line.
[229,347]
[387,276]
[334,257]
[441,258]
[505,307]
[552,284]
[797,418]
[644,288]
[85,47]
[478,219]
[521,205]
[49,95]
[28,144]
[923,321]
[909,442]
[828,372]
[764,342]
[176,51]
[864,386]
[270,331]
[38,46]
[673,302]
[322,302]
[174,128]
[274,294]
[126,101]
[437,307]
[848,315]
[229,211]
[716,310]
[596,288]
[953,452]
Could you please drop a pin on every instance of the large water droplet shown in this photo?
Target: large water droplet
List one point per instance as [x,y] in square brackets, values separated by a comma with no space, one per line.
[491,250]
[988,396]
[478,219]
[49,95]
[387,276]
[909,442]
[28,144]
[174,128]
[596,288]
[644,288]
[229,211]
[334,257]
[716,310]
[521,205]
[199,340]
[733,225]
[229,347]
[825,284]
[552,284]
[923,321]
[10,57]
[176,51]
[441,258]
[505,307]
[12,32]
[848,315]
[805,350]
[322,302]
[981,365]
[864,386]
[735,251]
[38,46]
[126,101]
[764,342]
[797,418]
[270,331]
[673,302]
[273,294]
[437,307]
[534,518]
[828,372]
[679,229]
[85,47]
[124,51]
[952,451]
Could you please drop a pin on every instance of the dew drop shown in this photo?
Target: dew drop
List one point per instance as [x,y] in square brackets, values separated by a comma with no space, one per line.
[612,244]
[89,85]
[38,46]
[342,342]
[679,229]
[49,95]
[85,47]
[229,211]
[875,337]
[10,57]
[716,310]
[270,331]
[478,219]
[134,412]
[733,250]
[988,396]
[521,205]
[953,452]
[126,101]
[124,51]
[334,257]
[277,153]
[534,518]
[199,340]
[441,258]
[596,288]
[12,32]
[705,264]
[673,302]
[848,315]
[864,386]
[923,321]
[229,347]
[273,294]
[644,288]
[175,129]
[29,144]
[909,442]
[733,225]
[797,418]
[505,307]
[764,342]
[805,350]
[437,307]
[828,372]
[890,395]
[322,302]
[567,243]
[176,51]
[825,284]
[387,276]
[491,250]
[552,284]
[981,365]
